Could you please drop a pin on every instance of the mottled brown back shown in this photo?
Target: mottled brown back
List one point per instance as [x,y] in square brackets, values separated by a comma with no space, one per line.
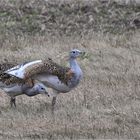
[5,78]
[6,66]
[50,67]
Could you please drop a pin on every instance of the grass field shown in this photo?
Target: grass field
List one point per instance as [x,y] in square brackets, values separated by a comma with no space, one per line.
[106,104]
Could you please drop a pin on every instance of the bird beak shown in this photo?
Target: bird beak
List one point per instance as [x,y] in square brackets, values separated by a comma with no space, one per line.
[46,92]
[82,54]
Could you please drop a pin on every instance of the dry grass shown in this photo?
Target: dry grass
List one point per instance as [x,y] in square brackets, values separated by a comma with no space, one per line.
[68,17]
[104,106]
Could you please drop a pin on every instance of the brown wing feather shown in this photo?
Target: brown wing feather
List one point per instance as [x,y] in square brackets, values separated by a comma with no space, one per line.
[47,66]
[50,67]
[6,66]
[5,78]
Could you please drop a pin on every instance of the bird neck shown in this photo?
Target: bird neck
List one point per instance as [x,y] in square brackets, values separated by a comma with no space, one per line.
[29,91]
[73,63]
[77,73]
[32,92]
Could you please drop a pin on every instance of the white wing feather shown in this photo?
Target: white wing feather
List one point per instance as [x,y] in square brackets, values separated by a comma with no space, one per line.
[19,70]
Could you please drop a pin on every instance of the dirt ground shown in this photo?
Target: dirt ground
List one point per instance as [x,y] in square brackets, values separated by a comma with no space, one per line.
[105,105]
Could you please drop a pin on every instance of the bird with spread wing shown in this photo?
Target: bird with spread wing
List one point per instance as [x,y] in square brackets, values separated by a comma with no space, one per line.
[61,79]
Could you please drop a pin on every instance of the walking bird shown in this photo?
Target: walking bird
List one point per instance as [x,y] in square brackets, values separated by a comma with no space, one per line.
[14,90]
[19,88]
[61,79]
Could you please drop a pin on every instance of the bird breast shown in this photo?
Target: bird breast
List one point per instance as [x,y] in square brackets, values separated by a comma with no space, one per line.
[53,82]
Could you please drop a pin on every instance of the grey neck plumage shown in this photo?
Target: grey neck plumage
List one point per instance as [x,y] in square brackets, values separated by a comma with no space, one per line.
[29,91]
[77,73]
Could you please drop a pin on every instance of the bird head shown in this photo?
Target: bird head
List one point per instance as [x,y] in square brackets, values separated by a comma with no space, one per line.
[75,53]
[41,88]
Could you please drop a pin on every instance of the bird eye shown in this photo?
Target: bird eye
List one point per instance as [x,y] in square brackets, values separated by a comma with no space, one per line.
[42,88]
[73,51]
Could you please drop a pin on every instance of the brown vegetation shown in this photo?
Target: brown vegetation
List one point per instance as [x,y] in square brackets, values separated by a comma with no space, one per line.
[106,103]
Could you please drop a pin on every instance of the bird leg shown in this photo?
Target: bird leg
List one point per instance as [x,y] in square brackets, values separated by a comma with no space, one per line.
[53,103]
[13,101]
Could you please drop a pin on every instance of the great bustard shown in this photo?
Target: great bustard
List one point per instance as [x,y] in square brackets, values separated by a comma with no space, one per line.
[61,79]
[16,87]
